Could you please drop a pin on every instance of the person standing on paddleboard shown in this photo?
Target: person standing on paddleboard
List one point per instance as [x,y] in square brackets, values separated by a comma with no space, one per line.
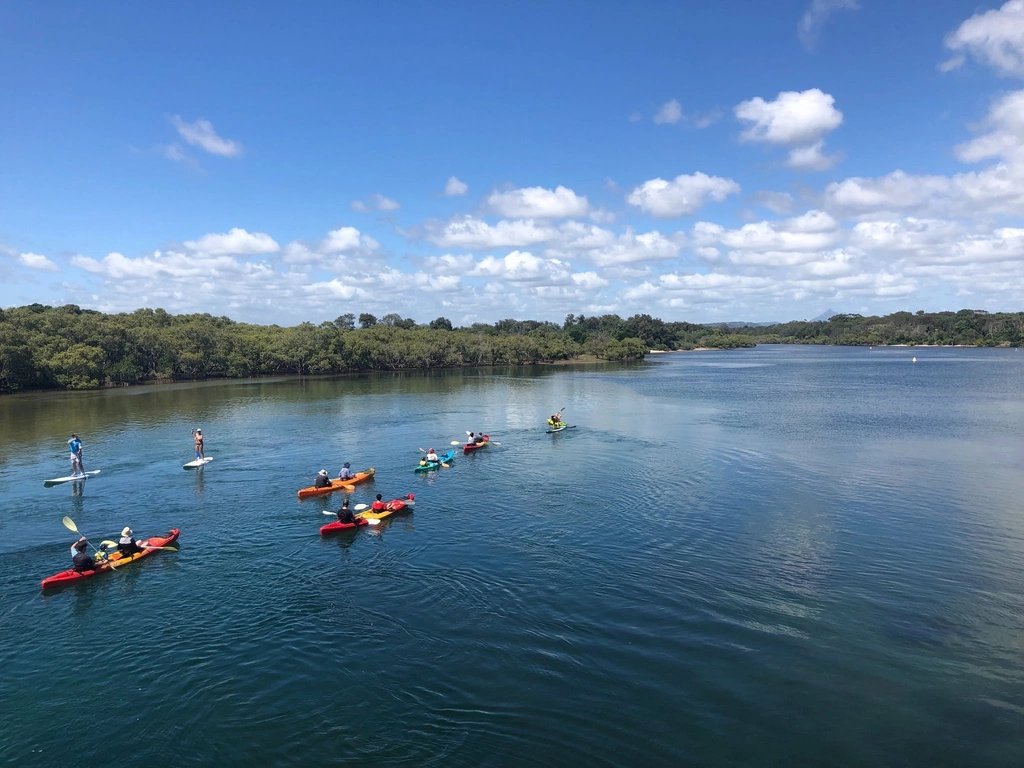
[75,444]
[198,435]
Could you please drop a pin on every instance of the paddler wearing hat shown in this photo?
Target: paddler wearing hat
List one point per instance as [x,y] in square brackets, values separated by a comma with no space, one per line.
[322,480]
[128,546]
[198,435]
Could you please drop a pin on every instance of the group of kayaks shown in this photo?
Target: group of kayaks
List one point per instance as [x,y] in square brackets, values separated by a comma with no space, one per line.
[380,510]
[371,514]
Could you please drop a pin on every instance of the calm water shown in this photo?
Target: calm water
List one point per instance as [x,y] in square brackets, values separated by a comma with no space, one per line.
[778,556]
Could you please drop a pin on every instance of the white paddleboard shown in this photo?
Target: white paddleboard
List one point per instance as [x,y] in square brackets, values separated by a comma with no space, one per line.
[69,478]
[197,463]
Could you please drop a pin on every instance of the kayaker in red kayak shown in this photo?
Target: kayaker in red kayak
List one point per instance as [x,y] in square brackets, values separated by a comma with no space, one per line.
[128,546]
[378,505]
[83,560]
[479,439]
[345,514]
[322,480]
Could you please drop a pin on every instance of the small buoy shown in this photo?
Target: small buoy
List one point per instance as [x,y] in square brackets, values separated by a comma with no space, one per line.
[870,348]
[913,359]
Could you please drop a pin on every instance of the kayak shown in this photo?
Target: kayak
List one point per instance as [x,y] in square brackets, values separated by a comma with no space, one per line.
[198,463]
[474,446]
[562,428]
[71,575]
[395,505]
[336,485]
[69,478]
[445,458]
[337,526]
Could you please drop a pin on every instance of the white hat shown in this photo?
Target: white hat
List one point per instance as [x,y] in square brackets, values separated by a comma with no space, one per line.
[322,472]
[127,531]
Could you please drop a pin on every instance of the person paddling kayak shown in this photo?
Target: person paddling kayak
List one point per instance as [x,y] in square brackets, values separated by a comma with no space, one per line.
[82,560]
[345,514]
[75,445]
[346,472]
[432,456]
[322,480]
[198,435]
[378,505]
[128,546]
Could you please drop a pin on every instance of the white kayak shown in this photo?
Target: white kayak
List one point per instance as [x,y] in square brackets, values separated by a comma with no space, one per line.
[69,478]
[197,463]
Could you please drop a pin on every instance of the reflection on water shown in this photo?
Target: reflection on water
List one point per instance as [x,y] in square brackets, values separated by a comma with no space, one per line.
[777,556]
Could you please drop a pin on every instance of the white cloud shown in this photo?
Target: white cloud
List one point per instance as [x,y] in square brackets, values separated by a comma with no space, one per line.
[1006,138]
[455,188]
[375,202]
[236,242]
[793,118]
[994,37]
[809,27]
[811,158]
[471,233]
[631,248]
[670,112]
[524,267]
[783,243]
[347,239]
[706,119]
[201,134]
[635,117]
[37,262]
[681,196]
[539,203]
[590,281]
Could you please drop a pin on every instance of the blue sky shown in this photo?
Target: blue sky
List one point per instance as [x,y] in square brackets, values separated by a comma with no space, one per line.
[713,161]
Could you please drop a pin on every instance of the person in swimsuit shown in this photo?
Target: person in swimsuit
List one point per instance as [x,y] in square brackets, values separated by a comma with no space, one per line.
[198,435]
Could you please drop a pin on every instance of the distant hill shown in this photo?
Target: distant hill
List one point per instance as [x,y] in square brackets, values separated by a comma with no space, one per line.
[824,317]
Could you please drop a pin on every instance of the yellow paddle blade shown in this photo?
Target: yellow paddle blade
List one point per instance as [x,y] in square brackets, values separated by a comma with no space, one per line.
[69,524]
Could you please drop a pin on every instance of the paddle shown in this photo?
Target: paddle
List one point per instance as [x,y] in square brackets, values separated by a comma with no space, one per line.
[70,525]
[113,544]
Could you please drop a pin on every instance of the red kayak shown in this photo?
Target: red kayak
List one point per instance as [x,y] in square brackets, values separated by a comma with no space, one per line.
[337,525]
[71,575]
[474,446]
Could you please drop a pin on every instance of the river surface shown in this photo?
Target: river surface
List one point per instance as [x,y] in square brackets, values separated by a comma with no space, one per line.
[776,556]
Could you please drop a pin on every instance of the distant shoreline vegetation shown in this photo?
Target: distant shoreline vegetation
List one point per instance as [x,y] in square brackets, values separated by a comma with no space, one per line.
[67,347]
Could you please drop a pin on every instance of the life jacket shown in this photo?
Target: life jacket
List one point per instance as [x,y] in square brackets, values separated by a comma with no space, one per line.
[378,506]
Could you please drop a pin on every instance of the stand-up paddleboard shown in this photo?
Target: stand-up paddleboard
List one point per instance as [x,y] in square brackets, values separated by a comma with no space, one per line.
[198,463]
[69,478]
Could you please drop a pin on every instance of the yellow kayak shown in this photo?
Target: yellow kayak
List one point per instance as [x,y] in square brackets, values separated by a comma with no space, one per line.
[395,505]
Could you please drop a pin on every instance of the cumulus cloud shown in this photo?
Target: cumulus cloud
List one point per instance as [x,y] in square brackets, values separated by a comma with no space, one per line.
[776,202]
[347,239]
[37,262]
[681,196]
[994,37]
[792,118]
[455,188]
[375,202]
[539,203]
[670,112]
[201,134]
[811,158]
[472,233]
[787,242]
[808,29]
[236,242]
[1005,138]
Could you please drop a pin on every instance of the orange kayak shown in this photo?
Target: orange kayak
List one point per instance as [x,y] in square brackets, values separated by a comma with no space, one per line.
[336,485]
